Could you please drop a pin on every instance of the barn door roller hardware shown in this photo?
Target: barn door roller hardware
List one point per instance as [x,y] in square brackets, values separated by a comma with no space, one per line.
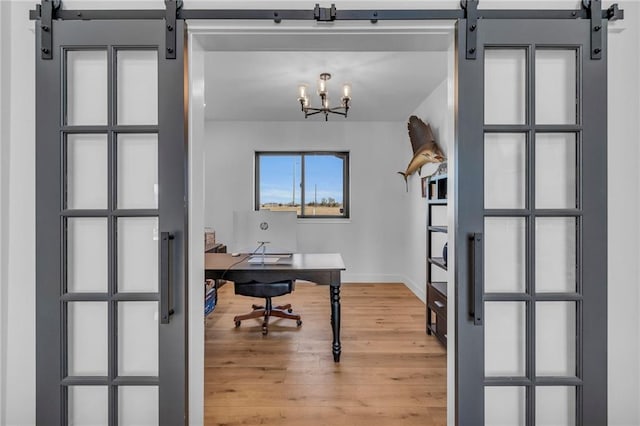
[50,10]
[324,14]
[470,8]
[172,7]
[46,10]
[594,8]
[594,11]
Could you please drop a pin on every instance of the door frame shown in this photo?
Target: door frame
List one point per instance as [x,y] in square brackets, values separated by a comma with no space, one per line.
[259,30]
[467,16]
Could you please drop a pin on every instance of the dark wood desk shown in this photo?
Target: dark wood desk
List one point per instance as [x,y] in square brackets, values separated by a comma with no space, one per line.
[317,268]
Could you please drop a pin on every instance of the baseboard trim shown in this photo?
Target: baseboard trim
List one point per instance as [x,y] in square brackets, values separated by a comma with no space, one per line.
[418,290]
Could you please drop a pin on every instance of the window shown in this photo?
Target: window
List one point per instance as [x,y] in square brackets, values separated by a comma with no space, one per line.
[313,184]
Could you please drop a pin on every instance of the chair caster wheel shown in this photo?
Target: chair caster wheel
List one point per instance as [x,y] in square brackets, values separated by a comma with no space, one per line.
[298,323]
[237,324]
[289,310]
[265,330]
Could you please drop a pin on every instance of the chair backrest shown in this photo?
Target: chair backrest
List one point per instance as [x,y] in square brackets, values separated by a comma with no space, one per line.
[278,229]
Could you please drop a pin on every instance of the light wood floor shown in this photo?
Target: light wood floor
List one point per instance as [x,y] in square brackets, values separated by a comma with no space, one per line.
[390,373]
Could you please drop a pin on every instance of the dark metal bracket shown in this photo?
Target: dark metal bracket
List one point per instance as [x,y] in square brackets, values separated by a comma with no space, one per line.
[594,9]
[172,7]
[46,9]
[614,13]
[596,15]
[324,14]
[470,8]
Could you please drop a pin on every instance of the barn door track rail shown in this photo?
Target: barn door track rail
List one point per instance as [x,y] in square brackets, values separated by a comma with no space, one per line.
[49,11]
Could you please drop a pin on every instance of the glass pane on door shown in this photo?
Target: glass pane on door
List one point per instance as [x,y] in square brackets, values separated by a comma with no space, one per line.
[137,171]
[138,254]
[87,171]
[505,255]
[87,338]
[556,266]
[505,170]
[555,406]
[511,399]
[556,68]
[138,406]
[504,339]
[137,79]
[138,339]
[86,87]
[556,339]
[87,255]
[505,83]
[88,406]
[556,173]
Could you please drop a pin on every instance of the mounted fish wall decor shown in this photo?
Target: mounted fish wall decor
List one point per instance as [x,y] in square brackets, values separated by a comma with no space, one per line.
[425,148]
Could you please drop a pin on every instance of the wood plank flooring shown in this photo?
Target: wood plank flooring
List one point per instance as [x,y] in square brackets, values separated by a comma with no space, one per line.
[390,372]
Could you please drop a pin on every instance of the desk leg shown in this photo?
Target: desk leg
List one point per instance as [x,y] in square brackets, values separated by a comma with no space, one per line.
[335,321]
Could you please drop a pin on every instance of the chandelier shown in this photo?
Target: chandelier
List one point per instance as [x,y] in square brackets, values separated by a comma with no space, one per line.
[325,109]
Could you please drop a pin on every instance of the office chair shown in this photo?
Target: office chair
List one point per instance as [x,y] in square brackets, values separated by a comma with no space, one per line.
[266,291]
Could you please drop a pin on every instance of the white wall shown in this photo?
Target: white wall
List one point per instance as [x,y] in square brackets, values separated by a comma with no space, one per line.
[373,241]
[624,210]
[4,185]
[434,110]
[438,110]
[18,207]
[17,336]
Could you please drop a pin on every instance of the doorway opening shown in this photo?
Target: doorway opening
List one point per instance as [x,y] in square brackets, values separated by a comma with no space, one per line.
[243,98]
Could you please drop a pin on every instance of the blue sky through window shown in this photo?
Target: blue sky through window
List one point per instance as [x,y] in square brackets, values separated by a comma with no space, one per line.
[323,178]
[280,178]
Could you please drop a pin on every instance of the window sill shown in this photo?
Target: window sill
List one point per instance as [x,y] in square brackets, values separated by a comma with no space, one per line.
[323,220]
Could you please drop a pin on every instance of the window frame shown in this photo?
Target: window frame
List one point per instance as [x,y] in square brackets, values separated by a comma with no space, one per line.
[346,199]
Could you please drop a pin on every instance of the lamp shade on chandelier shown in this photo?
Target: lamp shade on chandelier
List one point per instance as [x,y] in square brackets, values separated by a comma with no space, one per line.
[325,108]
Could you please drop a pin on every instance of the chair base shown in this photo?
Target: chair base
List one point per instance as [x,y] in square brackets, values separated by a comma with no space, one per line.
[282,311]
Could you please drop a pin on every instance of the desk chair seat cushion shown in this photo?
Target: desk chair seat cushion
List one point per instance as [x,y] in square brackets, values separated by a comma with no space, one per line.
[264,290]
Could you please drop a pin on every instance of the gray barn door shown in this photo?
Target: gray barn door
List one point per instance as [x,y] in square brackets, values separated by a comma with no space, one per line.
[531,238]
[111,227]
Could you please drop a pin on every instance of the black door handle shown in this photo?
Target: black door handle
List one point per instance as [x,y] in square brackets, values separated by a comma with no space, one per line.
[477,278]
[166,299]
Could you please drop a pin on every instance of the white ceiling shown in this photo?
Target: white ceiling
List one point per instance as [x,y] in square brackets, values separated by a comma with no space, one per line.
[253,70]
[262,85]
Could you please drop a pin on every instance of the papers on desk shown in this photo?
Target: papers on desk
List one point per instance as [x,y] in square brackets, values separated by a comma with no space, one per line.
[260,259]
[270,259]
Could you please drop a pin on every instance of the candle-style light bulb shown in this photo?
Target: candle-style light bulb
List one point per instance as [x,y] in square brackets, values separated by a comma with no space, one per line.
[322,87]
[322,83]
[346,91]
[302,91]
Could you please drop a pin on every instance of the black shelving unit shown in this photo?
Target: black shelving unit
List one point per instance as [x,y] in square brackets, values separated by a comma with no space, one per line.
[438,261]
[436,290]
[442,229]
